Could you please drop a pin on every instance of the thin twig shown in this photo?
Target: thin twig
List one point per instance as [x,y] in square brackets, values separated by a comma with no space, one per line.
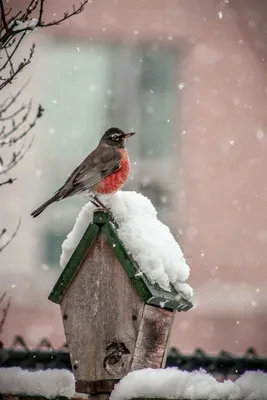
[5,314]
[41,12]
[9,32]
[2,297]
[9,59]
[12,54]
[14,114]
[5,106]
[4,136]
[19,68]
[11,237]
[8,181]
[15,127]
[66,15]
[17,156]
[3,15]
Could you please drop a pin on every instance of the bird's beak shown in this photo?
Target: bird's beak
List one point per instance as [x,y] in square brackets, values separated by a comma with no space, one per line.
[127,135]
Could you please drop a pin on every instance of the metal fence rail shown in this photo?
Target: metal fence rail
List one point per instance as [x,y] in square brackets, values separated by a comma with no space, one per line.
[44,356]
[224,364]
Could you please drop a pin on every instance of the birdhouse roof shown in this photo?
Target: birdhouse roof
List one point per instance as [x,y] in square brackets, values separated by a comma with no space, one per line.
[150,293]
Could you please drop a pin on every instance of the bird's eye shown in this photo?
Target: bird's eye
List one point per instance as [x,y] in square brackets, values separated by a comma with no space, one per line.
[115,137]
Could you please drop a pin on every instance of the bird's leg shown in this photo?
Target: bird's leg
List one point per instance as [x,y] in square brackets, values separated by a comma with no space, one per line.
[95,203]
[100,204]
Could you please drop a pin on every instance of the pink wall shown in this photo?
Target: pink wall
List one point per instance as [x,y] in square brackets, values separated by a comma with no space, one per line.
[224,102]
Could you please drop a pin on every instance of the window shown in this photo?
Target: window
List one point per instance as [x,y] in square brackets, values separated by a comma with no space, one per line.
[157,90]
[143,97]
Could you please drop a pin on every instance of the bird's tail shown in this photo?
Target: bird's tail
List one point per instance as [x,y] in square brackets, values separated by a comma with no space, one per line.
[46,204]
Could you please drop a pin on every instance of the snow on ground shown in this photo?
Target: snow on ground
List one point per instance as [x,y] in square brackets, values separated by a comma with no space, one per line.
[49,383]
[170,383]
[148,240]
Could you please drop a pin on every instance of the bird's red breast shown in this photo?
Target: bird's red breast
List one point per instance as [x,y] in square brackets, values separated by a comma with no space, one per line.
[115,181]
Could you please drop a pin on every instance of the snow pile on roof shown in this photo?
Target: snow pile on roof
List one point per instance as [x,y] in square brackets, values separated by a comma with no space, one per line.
[49,383]
[148,240]
[171,383]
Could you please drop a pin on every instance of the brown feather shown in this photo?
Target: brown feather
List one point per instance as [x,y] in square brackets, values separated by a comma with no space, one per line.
[102,162]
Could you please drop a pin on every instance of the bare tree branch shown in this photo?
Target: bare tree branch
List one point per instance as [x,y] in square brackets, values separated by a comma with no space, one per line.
[67,15]
[8,138]
[16,157]
[16,121]
[8,181]
[4,231]
[20,67]
[15,126]
[3,12]
[13,115]
[21,24]
[13,29]
[9,56]
[2,297]
[9,101]
[4,311]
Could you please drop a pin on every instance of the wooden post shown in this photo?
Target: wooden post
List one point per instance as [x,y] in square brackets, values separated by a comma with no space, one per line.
[111,313]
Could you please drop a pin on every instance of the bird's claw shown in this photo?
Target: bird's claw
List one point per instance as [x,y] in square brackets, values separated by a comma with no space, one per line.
[101,206]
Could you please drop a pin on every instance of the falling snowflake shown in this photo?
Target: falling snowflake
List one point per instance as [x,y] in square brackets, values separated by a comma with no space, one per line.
[260,134]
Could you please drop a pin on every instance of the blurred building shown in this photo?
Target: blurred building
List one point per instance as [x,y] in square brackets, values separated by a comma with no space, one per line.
[190,78]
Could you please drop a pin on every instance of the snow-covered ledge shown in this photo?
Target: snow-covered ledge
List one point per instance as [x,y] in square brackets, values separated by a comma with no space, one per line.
[171,383]
[50,383]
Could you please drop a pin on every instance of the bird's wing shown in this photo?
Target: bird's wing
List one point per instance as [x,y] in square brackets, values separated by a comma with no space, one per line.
[102,162]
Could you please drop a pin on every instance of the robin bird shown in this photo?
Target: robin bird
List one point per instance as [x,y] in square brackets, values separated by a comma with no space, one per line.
[104,171]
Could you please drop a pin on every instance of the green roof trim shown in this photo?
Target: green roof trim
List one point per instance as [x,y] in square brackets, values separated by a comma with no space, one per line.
[149,293]
[74,263]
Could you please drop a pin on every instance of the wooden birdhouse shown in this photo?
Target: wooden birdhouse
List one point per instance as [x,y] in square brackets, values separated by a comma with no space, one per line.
[115,320]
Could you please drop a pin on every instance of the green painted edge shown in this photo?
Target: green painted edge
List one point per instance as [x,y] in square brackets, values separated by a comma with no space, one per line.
[74,263]
[101,217]
[149,293]
[129,265]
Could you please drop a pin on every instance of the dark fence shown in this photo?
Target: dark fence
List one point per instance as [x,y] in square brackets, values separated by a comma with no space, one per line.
[222,365]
